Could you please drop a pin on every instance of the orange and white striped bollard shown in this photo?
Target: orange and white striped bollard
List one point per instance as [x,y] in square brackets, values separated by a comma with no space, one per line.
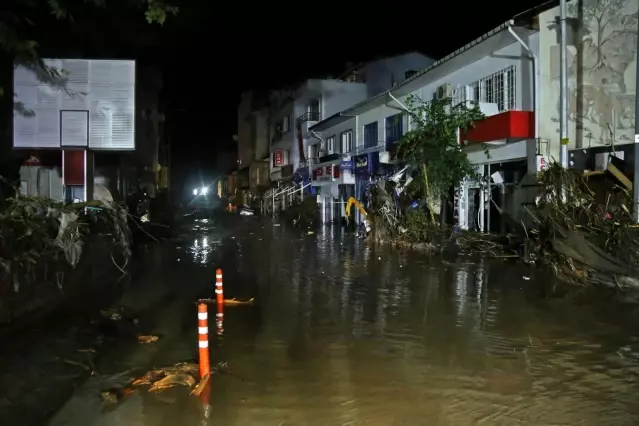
[203,339]
[219,288]
[219,297]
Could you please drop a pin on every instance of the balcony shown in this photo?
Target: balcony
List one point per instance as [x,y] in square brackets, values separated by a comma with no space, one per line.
[370,147]
[307,120]
[330,158]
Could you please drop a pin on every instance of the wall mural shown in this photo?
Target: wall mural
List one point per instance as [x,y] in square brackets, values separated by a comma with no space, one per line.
[602,38]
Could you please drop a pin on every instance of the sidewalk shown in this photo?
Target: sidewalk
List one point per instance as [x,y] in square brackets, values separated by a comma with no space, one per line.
[40,368]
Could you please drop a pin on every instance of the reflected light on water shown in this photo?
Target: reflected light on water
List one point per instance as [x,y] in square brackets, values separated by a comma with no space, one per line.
[200,250]
[348,334]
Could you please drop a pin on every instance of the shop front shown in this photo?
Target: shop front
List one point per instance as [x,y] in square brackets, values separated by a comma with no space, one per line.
[365,166]
[512,153]
[335,183]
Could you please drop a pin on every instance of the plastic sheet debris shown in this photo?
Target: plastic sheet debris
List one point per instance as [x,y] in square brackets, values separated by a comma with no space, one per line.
[235,302]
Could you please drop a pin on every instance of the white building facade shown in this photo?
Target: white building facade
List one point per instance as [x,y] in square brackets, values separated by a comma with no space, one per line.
[295,113]
[497,71]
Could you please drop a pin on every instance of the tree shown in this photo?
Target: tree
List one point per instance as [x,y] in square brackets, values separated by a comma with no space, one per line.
[432,147]
[20,18]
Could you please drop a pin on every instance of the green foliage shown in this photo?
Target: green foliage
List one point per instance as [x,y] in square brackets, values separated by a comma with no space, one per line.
[432,147]
[417,225]
[17,25]
[34,230]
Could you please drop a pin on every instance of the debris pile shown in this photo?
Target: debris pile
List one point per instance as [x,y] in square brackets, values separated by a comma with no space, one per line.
[37,231]
[583,229]
[183,374]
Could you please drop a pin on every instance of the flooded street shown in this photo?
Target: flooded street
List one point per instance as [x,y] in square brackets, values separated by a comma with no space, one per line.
[347,334]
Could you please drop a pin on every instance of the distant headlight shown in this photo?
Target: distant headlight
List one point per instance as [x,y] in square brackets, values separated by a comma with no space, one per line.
[205,190]
[195,191]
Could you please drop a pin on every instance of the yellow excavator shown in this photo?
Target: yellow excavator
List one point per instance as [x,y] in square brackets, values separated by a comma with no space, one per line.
[357,204]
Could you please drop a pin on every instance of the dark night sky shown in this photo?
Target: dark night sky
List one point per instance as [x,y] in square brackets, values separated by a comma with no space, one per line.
[210,52]
[218,58]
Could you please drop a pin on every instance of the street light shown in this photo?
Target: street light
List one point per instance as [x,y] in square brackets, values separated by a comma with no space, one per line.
[205,190]
[195,192]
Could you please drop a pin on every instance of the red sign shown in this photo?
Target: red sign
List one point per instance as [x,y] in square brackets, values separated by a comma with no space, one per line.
[278,158]
[329,170]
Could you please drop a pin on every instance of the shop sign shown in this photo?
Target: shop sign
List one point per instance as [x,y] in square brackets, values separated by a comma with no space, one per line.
[361,162]
[278,158]
[541,163]
[347,165]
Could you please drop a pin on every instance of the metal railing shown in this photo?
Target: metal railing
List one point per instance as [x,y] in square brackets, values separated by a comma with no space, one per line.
[308,162]
[309,116]
[366,148]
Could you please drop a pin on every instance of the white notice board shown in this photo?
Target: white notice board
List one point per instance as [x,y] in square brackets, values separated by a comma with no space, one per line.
[95,95]
[74,128]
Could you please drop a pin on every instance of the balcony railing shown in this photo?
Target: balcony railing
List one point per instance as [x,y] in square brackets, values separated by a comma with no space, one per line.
[370,147]
[309,162]
[329,157]
[309,116]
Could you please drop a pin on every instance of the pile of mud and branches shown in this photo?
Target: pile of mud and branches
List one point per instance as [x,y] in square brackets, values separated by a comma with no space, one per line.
[43,242]
[583,230]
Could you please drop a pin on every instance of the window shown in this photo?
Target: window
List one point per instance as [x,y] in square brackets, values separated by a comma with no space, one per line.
[498,88]
[347,141]
[314,106]
[313,151]
[394,128]
[370,135]
[330,145]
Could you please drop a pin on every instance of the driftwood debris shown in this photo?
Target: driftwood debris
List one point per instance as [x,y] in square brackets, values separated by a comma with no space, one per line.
[583,229]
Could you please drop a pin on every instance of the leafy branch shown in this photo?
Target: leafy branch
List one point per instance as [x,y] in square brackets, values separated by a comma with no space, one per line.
[432,146]
[18,22]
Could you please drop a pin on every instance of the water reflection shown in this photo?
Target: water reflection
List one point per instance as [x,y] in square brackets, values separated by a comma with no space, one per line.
[347,333]
[201,250]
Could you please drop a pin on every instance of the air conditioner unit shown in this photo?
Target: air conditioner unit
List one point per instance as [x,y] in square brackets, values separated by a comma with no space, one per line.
[444,91]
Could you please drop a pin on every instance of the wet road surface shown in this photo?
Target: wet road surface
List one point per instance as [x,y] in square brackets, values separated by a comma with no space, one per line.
[348,334]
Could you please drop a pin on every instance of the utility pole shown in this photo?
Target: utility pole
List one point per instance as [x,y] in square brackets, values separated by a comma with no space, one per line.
[563,86]
[635,186]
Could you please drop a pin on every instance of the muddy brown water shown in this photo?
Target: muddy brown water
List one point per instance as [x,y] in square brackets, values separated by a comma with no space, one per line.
[348,334]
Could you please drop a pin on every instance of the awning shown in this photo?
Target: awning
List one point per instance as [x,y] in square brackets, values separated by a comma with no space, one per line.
[505,127]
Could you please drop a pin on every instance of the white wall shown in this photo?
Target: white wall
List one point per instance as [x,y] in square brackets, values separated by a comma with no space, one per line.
[42,182]
[512,54]
[338,96]
[342,127]
[601,74]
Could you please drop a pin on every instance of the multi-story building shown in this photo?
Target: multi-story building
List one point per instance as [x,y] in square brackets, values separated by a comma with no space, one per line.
[252,145]
[512,73]
[295,147]
[601,62]
[495,71]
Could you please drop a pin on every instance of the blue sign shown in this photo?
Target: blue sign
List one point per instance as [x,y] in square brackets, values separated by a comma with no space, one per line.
[362,165]
[347,165]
